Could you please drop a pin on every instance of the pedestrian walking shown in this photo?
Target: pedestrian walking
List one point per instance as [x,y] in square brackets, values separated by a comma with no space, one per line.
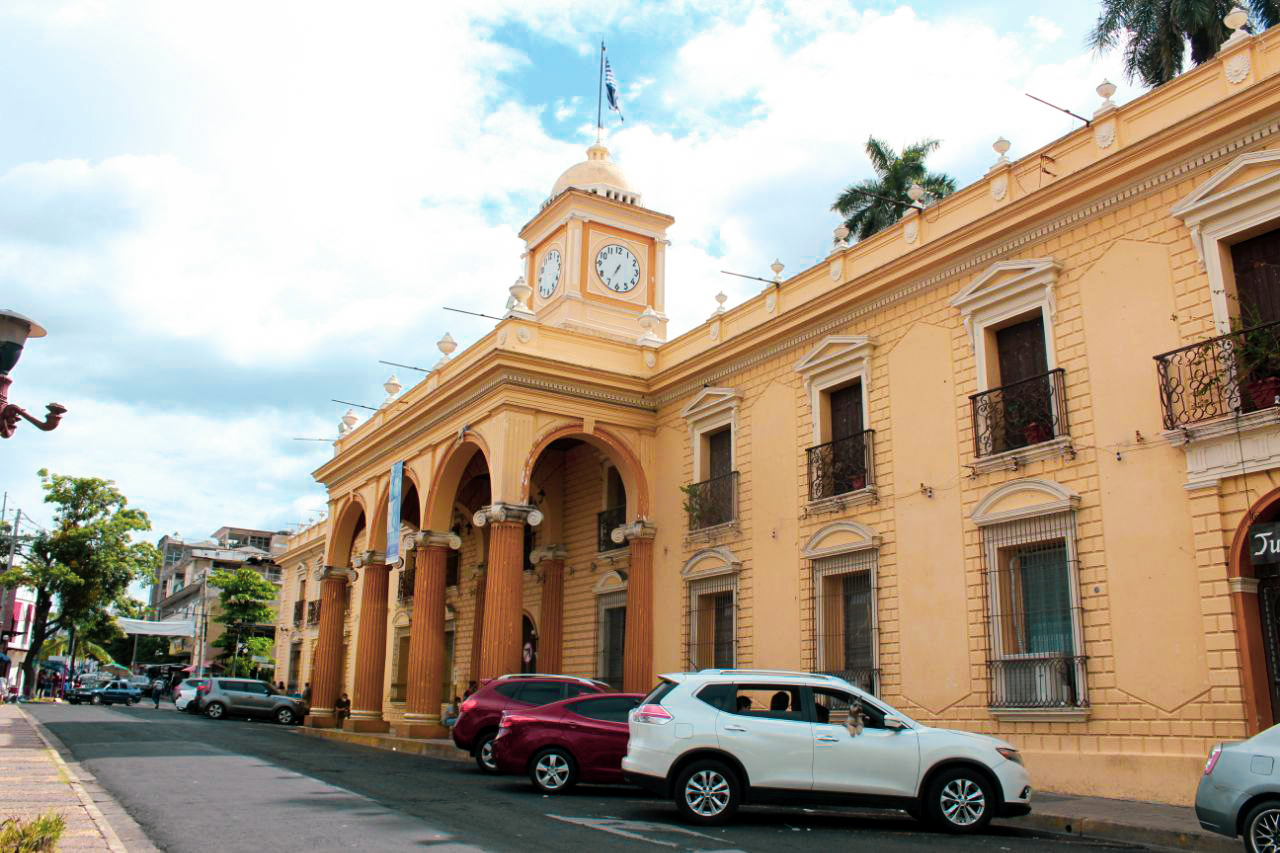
[306,694]
[157,690]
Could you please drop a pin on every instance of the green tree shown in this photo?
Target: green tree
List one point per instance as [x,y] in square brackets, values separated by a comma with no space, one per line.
[245,598]
[1155,32]
[873,204]
[86,562]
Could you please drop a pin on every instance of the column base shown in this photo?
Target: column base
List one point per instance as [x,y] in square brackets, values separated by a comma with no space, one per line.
[427,731]
[320,721]
[366,725]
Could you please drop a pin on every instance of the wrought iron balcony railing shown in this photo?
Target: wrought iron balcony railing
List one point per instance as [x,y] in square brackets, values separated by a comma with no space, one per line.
[712,502]
[1231,374]
[841,466]
[1020,415]
[606,521]
[868,678]
[1037,681]
[404,591]
[299,607]
[313,612]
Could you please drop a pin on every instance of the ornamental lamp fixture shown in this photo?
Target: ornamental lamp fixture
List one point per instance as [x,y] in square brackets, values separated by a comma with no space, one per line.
[14,331]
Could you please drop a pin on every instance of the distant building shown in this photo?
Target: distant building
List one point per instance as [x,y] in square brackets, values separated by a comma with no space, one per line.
[17,612]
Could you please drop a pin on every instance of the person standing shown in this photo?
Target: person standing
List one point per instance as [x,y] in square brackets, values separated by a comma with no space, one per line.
[306,694]
[342,709]
[157,689]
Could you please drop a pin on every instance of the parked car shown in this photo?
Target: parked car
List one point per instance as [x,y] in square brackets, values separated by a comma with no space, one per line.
[1239,792]
[574,740]
[716,739]
[218,698]
[478,718]
[142,683]
[185,693]
[114,692]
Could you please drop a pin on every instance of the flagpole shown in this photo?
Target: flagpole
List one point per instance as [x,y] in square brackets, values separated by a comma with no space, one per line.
[600,96]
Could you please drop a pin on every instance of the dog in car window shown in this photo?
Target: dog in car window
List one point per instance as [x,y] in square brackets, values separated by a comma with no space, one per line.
[855,722]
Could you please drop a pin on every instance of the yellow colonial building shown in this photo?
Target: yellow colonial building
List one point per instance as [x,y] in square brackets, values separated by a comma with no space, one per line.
[1004,464]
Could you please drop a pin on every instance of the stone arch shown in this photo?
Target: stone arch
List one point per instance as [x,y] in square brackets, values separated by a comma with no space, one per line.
[1022,499]
[708,562]
[1242,582]
[346,520]
[622,456]
[448,477]
[840,537]
[613,581]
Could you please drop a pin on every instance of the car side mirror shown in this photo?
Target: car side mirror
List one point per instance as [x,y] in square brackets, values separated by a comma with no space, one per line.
[893,724]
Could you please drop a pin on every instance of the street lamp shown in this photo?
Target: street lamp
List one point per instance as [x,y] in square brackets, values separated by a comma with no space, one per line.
[14,331]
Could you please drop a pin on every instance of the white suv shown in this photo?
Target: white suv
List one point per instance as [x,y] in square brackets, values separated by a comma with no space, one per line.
[715,739]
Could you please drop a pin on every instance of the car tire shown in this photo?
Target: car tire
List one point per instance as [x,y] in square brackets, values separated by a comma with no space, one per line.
[73,701]
[960,800]
[286,716]
[95,699]
[707,793]
[1262,826]
[553,771]
[215,711]
[484,754]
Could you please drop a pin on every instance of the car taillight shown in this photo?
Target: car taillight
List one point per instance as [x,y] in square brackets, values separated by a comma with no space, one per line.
[1214,755]
[509,720]
[203,688]
[467,706]
[653,714]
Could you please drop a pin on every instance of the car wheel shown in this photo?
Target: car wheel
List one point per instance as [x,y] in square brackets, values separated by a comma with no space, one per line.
[74,701]
[960,800]
[553,771]
[1262,827]
[95,699]
[285,716]
[484,754]
[707,793]
[215,711]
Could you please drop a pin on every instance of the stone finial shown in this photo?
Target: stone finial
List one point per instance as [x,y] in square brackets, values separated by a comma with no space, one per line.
[841,233]
[648,321]
[1236,20]
[520,293]
[348,422]
[777,266]
[1105,90]
[915,192]
[392,386]
[721,298]
[1001,147]
[446,345]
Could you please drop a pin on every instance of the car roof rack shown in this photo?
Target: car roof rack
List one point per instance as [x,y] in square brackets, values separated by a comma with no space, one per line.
[577,678]
[789,673]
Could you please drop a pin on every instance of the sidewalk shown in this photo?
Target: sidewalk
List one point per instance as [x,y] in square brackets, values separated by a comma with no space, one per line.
[430,747]
[35,779]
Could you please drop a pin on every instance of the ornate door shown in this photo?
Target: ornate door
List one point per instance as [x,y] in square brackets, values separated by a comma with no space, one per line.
[1269,604]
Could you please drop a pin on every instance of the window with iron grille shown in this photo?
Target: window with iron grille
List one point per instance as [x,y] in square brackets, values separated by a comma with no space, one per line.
[844,617]
[713,605]
[611,632]
[1034,657]
[452,562]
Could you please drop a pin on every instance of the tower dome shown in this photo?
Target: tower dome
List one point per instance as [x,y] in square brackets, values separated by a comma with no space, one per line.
[597,174]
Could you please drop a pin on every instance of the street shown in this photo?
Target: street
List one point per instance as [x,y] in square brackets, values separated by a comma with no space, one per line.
[194,784]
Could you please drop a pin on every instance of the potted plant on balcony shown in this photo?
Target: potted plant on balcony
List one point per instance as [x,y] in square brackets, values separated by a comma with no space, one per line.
[693,504]
[1257,358]
[1027,418]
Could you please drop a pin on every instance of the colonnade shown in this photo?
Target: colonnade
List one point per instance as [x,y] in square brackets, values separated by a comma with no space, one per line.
[499,613]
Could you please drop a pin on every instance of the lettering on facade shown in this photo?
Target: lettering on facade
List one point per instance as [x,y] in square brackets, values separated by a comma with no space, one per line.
[1264,543]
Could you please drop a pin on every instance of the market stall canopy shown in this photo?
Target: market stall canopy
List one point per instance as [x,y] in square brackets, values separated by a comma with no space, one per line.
[166,628]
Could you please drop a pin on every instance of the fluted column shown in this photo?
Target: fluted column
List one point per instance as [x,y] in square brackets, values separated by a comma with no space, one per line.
[504,593]
[371,645]
[637,658]
[477,622]
[550,559]
[426,636]
[326,670]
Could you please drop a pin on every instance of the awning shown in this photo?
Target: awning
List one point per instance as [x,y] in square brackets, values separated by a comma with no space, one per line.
[166,628]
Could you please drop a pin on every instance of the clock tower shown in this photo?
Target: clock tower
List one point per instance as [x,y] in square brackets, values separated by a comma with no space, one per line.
[595,257]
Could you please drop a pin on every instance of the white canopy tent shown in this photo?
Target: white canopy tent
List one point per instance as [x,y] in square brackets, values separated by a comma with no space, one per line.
[165,628]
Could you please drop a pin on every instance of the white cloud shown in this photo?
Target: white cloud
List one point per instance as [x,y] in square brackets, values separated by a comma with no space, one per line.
[1044,29]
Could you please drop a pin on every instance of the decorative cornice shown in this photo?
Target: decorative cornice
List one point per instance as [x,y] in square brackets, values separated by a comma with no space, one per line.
[325,573]
[641,528]
[518,513]
[431,539]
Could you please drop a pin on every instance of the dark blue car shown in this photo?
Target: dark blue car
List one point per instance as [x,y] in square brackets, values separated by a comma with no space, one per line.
[117,692]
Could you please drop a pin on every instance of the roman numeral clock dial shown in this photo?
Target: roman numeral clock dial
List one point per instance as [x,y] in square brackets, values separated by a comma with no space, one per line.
[617,268]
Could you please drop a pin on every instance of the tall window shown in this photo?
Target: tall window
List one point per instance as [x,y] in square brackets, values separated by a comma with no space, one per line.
[1256,264]
[452,562]
[614,512]
[611,632]
[712,611]
[1033,611]
[839,465]
[714,500]
[844,617]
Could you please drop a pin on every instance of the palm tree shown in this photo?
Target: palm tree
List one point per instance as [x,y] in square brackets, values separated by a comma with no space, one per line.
[874,204]
[1155,32]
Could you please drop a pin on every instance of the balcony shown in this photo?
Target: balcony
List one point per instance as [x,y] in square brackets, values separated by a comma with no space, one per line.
[841,467]
[1011,419]
[606,521]
[1231,374]
[298,610]
[713,502]
[404,591]
[313,612]
[1050,682]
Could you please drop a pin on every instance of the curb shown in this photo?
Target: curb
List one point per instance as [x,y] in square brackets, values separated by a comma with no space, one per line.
[390,743]
[1109,830]
[76,775]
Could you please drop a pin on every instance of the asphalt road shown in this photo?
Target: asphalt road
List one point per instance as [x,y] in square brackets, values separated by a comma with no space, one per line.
[194,784]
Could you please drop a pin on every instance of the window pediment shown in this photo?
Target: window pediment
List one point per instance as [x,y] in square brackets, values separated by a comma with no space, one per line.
[614,581]
[1023,499]
[1006,289]
[1247,175]
[840,537]
[708,562]
[710,402]
[837,353]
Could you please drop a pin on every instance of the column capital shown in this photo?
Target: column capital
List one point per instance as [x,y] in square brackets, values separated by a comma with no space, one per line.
[368,558]
[432,539]
[548,552]
[1248,586]
[641,528]
[519,513]
[327,573]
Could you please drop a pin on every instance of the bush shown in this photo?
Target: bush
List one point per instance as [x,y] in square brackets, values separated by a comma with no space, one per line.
[32,836]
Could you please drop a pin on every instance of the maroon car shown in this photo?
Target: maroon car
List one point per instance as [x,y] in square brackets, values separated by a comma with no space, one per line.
[576,740]
[478,718]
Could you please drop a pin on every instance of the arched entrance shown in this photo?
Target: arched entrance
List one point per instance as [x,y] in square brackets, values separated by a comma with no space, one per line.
[1255,606]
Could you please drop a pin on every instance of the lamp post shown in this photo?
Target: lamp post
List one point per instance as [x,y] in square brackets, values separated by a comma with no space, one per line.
[14,331]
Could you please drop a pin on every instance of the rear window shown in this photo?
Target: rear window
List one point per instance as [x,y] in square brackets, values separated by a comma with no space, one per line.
[542,692]
[511,689]
[656,694]
[613,709]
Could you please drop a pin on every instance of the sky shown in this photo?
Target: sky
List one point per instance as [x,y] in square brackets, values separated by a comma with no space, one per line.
[226,213]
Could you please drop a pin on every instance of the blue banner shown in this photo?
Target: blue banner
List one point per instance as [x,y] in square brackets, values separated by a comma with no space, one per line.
[393,513]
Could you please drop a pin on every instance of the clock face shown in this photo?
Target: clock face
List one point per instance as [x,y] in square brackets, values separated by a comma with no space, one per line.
[617,268]
[549,273]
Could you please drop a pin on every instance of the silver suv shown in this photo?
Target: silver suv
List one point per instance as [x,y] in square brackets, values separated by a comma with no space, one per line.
[221,697]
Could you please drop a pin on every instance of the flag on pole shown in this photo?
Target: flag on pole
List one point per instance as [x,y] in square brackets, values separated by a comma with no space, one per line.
[611,90]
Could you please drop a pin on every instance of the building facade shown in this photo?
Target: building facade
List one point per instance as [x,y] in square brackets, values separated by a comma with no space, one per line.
[1000,463]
